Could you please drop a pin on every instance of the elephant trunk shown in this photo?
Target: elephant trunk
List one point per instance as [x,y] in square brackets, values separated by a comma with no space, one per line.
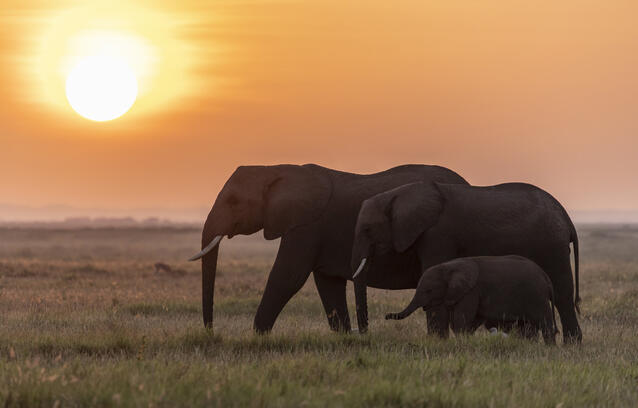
[360,264]
[361,251]
[209,270]
[414,305]
[208,254]
[361,297]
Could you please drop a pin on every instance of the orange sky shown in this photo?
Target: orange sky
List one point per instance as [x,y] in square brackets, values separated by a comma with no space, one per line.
[501,90]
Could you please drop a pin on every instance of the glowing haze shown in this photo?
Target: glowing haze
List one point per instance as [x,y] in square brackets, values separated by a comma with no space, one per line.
[496,90]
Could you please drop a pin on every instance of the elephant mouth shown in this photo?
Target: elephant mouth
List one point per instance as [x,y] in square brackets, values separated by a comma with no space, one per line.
[233,230]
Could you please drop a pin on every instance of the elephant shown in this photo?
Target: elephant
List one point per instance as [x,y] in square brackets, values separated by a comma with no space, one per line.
[495,291]
[313,210]
[442,221]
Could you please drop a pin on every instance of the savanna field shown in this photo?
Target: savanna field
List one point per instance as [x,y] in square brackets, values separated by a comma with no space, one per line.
[86,321]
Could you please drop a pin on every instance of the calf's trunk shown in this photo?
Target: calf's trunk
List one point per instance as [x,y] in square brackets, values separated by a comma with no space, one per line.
[414,305]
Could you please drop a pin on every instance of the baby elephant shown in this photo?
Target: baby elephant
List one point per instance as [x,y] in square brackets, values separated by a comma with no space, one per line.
[497,291]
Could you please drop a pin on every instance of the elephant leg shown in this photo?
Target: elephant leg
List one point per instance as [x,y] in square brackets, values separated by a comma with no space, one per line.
[438,321]
[547,328]
[332,291]
[461,322]
[290,271]
[527,329]
[464,314]
[561,276]
[438,251]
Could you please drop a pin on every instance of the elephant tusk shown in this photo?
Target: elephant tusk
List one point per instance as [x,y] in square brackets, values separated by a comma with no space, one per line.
[360,268]
[206,250]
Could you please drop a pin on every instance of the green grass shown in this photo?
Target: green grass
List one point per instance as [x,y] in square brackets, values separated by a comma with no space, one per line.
[84,326]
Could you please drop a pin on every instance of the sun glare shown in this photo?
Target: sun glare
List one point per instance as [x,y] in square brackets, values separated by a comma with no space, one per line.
[101,88]
[111,57]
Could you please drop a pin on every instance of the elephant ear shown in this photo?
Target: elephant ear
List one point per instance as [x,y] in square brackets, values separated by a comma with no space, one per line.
[462,277]
[415,209]
[296,196]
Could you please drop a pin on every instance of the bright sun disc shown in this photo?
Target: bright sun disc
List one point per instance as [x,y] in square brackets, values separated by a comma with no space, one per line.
[101,88]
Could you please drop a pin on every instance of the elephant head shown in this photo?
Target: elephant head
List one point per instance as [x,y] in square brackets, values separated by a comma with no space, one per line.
[444,283]
[273,198]
[392,220]
[395,219]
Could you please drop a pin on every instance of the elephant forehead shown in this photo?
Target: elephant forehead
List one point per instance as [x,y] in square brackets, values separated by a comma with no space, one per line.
[368,207]
[432,277]
[371,218]
[376,205]
[247,173]
[245,180]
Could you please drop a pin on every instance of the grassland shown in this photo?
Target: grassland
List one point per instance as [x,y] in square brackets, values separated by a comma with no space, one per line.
[85,321]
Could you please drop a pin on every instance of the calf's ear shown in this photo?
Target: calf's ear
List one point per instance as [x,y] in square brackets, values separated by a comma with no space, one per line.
[462,276]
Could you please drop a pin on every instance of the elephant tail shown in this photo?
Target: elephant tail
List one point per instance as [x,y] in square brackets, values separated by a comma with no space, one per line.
[574,239]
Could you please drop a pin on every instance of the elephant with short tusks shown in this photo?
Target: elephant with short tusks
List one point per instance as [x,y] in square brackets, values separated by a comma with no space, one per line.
[442,222]
[495,291]
[314,210]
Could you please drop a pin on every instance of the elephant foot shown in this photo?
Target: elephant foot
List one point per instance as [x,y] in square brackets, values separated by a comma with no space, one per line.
[573,338]
[357,330]
[261,330]
[439,334]
[341,329]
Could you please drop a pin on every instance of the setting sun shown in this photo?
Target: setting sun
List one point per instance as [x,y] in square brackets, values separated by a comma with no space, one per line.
[101,88]
[108,58]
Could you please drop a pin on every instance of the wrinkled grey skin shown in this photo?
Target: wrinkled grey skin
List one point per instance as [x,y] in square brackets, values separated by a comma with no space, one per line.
[313,209]
[495,291]
[443,222]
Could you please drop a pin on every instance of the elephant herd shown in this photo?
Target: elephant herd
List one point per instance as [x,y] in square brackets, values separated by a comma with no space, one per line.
[497,255]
